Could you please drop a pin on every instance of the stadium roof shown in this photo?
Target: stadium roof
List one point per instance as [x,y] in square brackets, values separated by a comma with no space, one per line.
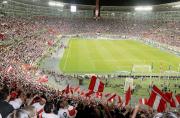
[158,5]
[120,2]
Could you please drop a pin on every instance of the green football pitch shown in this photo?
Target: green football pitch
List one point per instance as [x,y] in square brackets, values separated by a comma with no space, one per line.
[109,56]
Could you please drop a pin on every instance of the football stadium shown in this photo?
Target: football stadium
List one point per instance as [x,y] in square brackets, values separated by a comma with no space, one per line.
[89,59]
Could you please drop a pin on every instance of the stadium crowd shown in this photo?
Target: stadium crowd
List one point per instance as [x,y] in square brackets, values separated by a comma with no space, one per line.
[19,99]
[163,32]
[21,96]
[157,30]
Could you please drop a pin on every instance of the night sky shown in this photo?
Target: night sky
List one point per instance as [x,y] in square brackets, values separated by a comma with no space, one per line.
[120,2]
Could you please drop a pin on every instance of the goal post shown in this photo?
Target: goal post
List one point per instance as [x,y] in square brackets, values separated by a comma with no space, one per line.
[142,69]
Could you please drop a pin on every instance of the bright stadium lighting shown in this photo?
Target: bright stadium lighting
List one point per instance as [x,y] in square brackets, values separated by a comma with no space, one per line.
[57,4]
[73,8]
[176,6]
[4,2]
[143,8]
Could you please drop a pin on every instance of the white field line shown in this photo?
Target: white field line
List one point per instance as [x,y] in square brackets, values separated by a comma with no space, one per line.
[67,55]
[130,60]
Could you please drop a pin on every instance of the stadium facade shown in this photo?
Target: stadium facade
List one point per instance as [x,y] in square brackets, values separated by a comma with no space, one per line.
[169,11]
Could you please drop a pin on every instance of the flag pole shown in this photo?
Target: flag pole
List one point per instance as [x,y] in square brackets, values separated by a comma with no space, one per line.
[151,73]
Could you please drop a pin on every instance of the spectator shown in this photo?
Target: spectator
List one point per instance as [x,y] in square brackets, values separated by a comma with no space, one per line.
[30,111]
[48,111]
[5,107]
[19,113]
[18,102]
[39,106]
[63,111]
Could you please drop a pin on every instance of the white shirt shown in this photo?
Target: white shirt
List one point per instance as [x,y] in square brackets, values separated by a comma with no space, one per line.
[63,113]
[37,106]
[49,115]
[16,103]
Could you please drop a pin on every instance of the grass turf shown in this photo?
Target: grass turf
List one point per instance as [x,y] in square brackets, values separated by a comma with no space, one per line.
[106,56]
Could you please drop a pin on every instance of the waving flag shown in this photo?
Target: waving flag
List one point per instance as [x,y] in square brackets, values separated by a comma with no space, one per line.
[157,100]
[96,85]
[99,95]
[89,93]
[128,96]
[175,101]
[77,89]
[67,89]
[143,101]
[115,99]
[111,97]
[82,93]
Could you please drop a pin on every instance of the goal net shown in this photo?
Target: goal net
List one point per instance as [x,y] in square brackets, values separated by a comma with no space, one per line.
[142,69]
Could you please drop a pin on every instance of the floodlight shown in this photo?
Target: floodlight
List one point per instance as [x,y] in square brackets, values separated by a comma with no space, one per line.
[113,14]
[73,8]
[5,2]
[143,8]
[176,6]
[54,3]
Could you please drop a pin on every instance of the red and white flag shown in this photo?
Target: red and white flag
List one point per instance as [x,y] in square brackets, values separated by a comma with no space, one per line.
[157,100]
[98,95]
[128,96]
[77,89]
[67,89]
[82,93]
[111,98]
[71,90]
[116,99]
[175,101]
[96,85]
[89,93]
[143,101]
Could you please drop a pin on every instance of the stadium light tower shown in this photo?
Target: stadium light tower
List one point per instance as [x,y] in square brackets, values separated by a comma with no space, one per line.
[5,2]
[143,8]
[97,10]
[176,6]
[57,4]
[73,8]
